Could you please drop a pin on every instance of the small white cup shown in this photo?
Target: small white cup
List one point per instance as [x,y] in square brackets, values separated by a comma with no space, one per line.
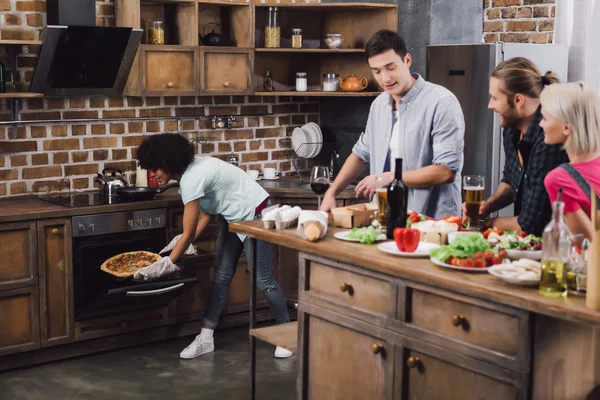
[270,173]
[253,173]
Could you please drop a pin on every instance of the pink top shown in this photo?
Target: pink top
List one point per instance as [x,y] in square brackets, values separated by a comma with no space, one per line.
[573,196]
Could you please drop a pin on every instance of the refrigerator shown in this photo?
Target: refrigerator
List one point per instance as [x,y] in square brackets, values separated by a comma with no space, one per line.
[465,70]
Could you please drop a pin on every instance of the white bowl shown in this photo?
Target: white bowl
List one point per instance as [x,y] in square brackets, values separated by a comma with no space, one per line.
[333,40]
[453,235]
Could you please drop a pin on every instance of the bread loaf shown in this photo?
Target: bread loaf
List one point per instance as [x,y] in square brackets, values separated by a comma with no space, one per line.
[312,230]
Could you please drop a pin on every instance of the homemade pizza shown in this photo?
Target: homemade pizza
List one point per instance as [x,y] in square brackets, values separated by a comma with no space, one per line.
[125,265]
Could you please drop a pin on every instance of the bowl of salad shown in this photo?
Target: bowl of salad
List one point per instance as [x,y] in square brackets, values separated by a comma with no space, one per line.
[518,245]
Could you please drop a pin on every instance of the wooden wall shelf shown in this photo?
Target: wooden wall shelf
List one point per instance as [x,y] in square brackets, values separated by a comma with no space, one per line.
[17,95]
[20,42]
[315,51]
[318,94]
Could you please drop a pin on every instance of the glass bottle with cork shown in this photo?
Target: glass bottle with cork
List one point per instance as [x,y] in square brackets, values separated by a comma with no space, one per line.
[556,247]
[397,197]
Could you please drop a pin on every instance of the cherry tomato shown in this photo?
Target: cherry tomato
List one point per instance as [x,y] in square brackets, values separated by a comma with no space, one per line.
[489,254]
[453,219]
[480,264]
[410,239]
[454,261]
[496,261]
[487,233]
[469,262]
[522,234]
[498,231]
[502,253]
[398,238]
[478,255]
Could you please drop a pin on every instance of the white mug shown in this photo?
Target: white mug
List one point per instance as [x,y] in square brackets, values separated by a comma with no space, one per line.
[253,173]
[270,173]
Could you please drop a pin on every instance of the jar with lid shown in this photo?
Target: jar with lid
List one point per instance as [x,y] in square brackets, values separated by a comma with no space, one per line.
[301,82]
[297,38]
[273,30]
[556,247]
[156,32]
[331,82]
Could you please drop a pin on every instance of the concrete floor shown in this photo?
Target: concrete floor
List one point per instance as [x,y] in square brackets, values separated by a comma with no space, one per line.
[156,372]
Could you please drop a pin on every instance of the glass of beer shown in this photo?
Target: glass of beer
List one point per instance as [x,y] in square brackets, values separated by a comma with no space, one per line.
[382,204]
[473,186]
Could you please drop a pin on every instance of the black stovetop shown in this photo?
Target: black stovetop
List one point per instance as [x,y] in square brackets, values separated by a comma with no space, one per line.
[81,199]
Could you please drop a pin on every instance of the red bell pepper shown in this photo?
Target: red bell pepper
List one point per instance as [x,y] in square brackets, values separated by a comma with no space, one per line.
[407,240]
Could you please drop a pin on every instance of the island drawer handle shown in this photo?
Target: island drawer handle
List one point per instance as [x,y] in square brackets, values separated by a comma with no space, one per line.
[458,320]
[170,85]
[54,231]
[376,348]
[346,287]
[413,362]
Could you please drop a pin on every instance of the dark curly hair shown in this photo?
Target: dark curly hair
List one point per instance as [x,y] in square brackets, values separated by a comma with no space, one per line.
[167,151]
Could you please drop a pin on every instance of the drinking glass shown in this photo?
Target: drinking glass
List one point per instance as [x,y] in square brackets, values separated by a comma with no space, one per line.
[473,185]
[382,203]
[319,181]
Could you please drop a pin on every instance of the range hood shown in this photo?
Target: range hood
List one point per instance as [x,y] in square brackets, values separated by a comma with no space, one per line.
[85,60]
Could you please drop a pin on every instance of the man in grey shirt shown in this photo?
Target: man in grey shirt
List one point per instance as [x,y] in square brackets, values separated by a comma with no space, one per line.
[415,120]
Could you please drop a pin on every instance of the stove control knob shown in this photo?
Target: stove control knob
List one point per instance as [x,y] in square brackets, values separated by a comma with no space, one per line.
[149,221]
[81,228]
[130,223]
[139,223]
[92,228]
[158,220]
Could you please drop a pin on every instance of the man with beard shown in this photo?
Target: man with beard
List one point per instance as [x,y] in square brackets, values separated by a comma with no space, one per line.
[515,88]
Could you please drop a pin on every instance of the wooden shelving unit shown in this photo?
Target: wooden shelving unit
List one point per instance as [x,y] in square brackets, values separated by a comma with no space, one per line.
[283,335]
[318,94]
[356,22]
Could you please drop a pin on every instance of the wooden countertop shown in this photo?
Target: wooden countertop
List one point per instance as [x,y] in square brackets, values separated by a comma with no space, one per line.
[32,207]
[480,285]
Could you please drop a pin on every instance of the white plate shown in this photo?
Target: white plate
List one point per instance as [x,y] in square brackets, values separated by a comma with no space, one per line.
[343,235]
[518,254]
[422,251]
[271,179]
[494,270]
[314,136]
[298,139]
[466,269]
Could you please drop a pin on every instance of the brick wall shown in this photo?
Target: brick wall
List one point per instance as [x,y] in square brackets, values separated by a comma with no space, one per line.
[520,21]
[66,157]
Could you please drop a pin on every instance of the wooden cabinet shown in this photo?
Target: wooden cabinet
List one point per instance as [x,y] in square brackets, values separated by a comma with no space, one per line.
[227,70]
[56,281]
[357,356]
[425,376]
[169,70]
[19,316]
[18,249]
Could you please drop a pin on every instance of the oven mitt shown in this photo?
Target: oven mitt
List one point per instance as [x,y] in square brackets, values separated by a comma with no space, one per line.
[162,267]
[190,251]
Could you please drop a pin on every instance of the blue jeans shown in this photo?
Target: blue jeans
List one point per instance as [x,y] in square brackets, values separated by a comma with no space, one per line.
[229,249]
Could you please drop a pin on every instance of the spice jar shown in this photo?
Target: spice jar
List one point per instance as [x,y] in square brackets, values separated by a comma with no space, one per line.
[273,30]
[331,82]
[156,32]
[301,82]
[297,38]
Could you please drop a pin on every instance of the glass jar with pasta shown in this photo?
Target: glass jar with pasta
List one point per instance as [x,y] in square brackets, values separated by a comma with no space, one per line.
[156,32]
[273,30]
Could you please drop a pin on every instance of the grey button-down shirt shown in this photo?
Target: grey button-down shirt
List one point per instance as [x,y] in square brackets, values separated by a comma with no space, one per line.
[432,129]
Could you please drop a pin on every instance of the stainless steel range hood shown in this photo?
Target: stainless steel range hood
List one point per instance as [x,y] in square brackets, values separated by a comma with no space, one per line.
[85,60]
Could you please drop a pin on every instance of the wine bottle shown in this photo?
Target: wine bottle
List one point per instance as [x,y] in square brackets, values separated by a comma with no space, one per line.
[397,197]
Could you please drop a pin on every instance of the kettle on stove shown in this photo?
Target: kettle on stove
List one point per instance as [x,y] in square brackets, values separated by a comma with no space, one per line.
[110,183]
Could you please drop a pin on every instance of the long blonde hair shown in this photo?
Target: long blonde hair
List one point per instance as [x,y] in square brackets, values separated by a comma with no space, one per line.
[520,75]
[579,105]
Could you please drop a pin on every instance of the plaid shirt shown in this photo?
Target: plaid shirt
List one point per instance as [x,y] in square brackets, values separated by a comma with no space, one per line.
[532,205]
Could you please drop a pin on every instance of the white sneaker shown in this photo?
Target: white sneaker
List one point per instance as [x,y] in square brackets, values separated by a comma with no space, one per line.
[197,348]
[280,352]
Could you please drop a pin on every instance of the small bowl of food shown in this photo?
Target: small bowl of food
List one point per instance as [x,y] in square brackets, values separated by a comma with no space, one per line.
[333,40]
[453,235]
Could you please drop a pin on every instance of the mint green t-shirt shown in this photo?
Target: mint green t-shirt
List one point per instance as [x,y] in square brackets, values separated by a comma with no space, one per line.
[223,189]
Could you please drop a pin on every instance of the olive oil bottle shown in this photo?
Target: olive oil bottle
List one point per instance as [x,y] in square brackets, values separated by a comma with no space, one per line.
[556,246]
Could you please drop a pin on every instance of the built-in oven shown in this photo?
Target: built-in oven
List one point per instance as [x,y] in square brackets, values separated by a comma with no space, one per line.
[98,237]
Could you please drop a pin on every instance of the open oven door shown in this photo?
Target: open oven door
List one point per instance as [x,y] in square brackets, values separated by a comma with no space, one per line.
[136,296]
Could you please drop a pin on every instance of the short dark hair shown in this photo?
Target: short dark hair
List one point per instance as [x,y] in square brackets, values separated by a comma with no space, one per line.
[167,151]
[383,41]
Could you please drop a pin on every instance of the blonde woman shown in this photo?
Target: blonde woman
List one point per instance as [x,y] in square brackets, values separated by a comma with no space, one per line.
[571,116]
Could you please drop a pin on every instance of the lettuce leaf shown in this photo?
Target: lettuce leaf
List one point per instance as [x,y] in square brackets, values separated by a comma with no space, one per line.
[462,246]
[366,235]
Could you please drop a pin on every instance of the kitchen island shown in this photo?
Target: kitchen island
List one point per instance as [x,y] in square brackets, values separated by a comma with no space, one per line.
[373,325]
